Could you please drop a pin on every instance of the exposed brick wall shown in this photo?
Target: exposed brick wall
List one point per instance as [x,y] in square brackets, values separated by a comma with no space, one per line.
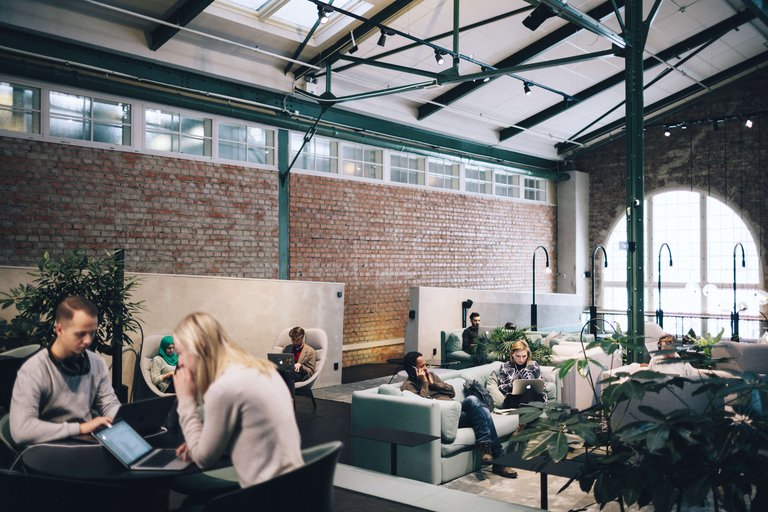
[188,217]
[380,240]
[171,215]
[730,162]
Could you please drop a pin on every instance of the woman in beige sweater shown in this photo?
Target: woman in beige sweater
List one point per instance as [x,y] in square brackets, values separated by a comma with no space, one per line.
[247,408]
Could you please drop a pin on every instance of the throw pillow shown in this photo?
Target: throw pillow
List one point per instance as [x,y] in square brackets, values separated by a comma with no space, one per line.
[493,388]
[452,343]
[450,412]
[390,389]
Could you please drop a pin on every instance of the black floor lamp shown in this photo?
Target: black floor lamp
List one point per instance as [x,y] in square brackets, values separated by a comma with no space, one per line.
[534,312]
[660,312]
[735,312]
[465,305]
[593,307]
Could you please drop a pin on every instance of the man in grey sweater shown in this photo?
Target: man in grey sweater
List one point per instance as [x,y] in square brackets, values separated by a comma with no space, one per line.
[57,388]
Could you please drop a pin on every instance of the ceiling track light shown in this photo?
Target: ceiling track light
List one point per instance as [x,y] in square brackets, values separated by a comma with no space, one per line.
[484,69]
[383,38]
[667,133]
[439,57]
[748,124]
[322,13]
[527,88]
[538,16]
[354,46]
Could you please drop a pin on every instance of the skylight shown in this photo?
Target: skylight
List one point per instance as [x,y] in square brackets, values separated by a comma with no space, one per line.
[301,14]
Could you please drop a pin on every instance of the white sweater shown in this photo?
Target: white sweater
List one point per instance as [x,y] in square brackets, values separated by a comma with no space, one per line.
[48,405]
[248,415]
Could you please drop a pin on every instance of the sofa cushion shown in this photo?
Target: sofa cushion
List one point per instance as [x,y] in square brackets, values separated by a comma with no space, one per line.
[459,355]
[480,373]
[450,412]
[465,437]
[493,388]
[390,389]
[453,343]
[742,357]
[458,387]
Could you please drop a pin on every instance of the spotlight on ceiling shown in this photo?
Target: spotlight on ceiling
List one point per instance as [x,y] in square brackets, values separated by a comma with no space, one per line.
[439,57]
[527,87]
[354,47]
[667,133]
[748,124]
[484,69]
[383,38]
[322,12]
[538,16]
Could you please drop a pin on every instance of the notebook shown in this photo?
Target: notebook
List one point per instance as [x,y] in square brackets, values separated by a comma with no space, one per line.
[134,452]
[520,385]
[283,361]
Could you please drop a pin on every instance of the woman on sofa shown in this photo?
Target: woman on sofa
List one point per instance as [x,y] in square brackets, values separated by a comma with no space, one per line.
[426,384]
[520,366]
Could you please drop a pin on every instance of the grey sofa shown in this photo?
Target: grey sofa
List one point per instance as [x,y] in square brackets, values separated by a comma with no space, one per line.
[450,457]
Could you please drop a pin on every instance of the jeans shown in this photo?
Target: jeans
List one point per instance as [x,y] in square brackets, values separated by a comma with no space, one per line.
[474,414]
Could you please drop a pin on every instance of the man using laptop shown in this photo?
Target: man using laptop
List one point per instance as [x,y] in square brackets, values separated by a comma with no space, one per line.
[57,388]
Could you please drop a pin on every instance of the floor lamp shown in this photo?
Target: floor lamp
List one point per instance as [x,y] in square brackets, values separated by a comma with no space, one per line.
[660,312]
[534,312]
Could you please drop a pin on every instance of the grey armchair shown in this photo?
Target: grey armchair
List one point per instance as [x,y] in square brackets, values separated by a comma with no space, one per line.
[318,340]
[143,386]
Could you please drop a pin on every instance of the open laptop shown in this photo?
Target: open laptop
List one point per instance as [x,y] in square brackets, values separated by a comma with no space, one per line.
[520,385]
[282,360]
[134,452]
[146,416]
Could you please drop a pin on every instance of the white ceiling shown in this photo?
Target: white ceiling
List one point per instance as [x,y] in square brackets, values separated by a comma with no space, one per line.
[223,42]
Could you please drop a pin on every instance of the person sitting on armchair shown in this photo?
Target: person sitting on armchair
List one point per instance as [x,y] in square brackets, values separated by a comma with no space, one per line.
[664,362]
[164,365]
[426,384]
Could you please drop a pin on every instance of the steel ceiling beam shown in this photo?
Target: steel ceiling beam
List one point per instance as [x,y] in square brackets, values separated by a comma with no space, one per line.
[99,70]
[759,8]
[330,53]
[527,53]
[570,14]
[713,32]
[661,108]
[181,15]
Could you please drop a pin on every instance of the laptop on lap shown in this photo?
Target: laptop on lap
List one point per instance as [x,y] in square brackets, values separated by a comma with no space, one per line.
[520,385]
[134,452]
[283,361]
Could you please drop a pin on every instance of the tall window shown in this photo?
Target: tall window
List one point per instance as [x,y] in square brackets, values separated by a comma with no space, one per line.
[404,168]
[84,118]
[443,174]
[246,143]
[363,161]
[178,133]
[701,233]
[479,179]
[319,154]
[19,108]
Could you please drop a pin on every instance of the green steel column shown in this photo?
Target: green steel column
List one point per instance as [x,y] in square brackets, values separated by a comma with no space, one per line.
[635,176]
[283,205]
[456,27]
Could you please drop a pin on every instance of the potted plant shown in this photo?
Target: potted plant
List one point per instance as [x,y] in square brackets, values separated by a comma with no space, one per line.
[667,459]
[496,345]
[98,279]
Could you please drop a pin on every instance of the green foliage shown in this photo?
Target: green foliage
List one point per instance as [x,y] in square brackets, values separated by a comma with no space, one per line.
[97,279]
[705,342]
[663,459]
[496,345]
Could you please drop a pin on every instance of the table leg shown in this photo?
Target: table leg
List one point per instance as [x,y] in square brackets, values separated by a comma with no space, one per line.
[543,490]
[393,458]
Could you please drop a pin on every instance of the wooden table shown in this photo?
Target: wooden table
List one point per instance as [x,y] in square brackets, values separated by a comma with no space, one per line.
[394,437]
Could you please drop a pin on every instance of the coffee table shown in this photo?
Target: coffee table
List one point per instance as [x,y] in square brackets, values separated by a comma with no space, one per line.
[394,437]
[568,468]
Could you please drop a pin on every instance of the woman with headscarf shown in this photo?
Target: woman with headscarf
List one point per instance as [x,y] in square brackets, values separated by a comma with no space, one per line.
[164,365]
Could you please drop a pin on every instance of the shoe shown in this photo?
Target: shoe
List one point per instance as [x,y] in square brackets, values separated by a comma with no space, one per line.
[504,471]
[487,456]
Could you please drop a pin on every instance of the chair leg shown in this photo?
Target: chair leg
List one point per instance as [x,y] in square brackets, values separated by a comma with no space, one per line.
[312,396]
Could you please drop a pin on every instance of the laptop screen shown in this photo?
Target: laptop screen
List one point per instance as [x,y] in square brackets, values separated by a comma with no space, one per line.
[124,442]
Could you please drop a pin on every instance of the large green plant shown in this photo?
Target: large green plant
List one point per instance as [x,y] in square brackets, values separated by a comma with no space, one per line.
[97,279]
[496,345]
[670,458]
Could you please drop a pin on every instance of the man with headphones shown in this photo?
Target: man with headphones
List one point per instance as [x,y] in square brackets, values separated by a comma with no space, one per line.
[57,388]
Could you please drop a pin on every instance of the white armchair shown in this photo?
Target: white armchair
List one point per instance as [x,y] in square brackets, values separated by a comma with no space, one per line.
[318,340]
[143,387]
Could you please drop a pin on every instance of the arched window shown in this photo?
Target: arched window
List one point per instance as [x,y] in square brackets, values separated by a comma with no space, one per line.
[702,233]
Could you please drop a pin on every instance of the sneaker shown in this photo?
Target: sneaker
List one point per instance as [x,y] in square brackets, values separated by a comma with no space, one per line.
[487,456]
[504,471]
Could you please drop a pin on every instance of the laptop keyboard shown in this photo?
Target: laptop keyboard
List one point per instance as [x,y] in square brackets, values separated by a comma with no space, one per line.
[160,459]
